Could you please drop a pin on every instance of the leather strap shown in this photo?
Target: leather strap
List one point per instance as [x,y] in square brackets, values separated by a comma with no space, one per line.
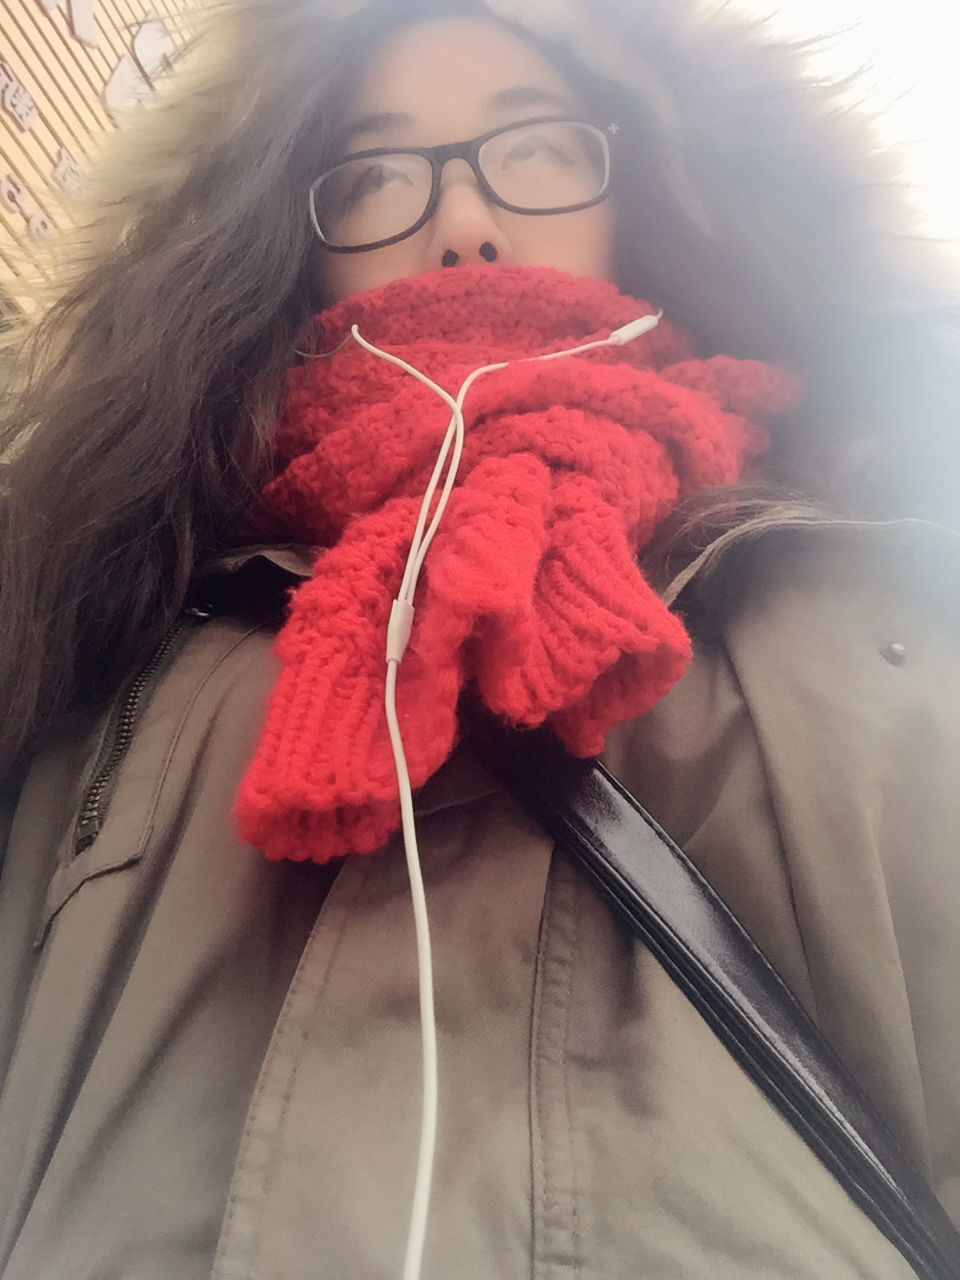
[664,901]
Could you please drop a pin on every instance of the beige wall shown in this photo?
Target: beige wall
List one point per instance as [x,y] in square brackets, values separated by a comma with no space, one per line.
[65,67]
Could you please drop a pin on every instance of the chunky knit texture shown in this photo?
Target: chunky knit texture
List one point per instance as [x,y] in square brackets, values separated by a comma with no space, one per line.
[531,589]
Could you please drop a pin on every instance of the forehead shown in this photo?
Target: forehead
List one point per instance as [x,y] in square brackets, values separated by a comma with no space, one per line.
[448,75]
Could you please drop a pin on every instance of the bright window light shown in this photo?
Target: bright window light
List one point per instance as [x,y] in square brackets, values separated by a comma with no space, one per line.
[908,53]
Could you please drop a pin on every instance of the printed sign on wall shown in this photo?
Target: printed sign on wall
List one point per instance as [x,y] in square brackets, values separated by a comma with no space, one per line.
[81,18]
[16,101]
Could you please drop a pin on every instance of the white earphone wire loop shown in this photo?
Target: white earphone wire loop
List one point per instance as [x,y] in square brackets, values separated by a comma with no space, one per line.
[453,469]
[454,428]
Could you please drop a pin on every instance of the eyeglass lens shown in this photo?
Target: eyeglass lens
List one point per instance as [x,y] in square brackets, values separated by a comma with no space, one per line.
[548,165]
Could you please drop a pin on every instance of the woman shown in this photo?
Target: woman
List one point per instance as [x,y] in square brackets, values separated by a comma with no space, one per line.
[210,1059]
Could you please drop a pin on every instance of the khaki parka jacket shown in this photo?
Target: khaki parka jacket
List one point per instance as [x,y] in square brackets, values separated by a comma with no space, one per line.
[210,1064]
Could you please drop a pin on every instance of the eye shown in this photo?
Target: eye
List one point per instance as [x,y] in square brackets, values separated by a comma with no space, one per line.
[374,175]
[523,149]
[538,144]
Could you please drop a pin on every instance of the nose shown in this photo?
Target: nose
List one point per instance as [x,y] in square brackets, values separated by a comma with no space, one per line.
[464,228]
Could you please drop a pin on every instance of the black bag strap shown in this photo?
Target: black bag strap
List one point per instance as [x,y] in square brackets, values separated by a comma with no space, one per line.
[664,900]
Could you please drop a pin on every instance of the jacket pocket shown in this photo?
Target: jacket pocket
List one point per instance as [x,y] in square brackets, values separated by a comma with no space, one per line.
[120,845]
[73,872]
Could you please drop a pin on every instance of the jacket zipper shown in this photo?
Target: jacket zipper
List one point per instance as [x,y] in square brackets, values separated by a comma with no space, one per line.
[120,731]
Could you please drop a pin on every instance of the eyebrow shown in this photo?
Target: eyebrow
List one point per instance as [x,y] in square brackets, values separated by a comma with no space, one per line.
[513,98]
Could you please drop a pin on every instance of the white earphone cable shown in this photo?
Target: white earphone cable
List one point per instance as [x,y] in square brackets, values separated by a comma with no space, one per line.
[398,635]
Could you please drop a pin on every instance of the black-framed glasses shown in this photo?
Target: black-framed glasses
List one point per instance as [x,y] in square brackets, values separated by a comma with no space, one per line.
[380,196]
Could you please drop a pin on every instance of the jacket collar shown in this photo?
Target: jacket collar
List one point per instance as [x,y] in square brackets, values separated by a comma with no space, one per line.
[295,561]
[463,779]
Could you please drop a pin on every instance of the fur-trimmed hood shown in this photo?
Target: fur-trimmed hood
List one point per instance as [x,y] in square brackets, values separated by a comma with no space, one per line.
[781,226]
[794,237]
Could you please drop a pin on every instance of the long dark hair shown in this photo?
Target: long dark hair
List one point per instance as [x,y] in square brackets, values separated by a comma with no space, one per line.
[136,421]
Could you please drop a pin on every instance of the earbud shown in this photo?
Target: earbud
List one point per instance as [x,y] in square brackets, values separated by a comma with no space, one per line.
[626,333]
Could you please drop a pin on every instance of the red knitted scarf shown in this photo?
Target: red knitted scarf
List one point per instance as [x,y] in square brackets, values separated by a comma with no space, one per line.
[531,589]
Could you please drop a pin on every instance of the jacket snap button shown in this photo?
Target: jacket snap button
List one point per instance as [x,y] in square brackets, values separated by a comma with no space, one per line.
[894,652]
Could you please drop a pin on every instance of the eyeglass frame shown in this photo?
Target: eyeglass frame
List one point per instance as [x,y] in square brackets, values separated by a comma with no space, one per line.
[469,151]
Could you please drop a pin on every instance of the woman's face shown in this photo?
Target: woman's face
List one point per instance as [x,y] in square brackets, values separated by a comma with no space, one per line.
[446,80]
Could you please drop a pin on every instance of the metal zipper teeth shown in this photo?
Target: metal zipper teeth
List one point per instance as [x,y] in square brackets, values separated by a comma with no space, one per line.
[119,738]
